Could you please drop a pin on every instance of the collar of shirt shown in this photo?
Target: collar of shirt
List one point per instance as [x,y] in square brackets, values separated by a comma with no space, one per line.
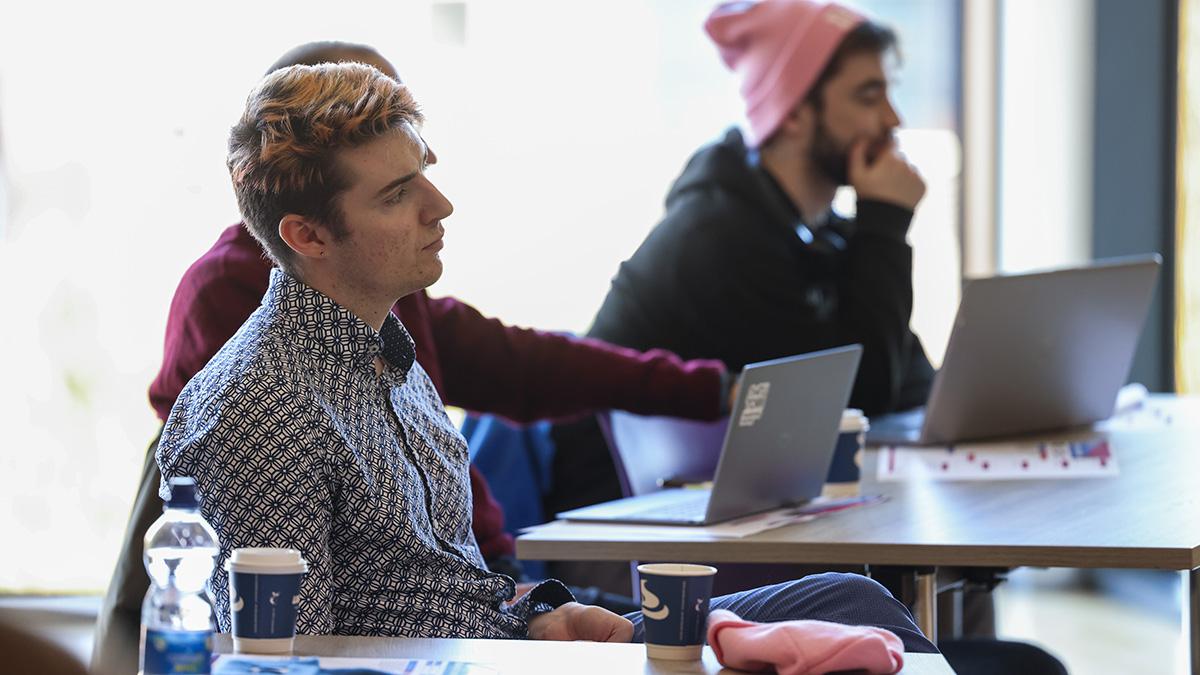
[327,331]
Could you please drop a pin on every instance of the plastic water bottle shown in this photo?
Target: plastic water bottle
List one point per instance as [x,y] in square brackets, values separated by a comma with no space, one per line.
[177,618]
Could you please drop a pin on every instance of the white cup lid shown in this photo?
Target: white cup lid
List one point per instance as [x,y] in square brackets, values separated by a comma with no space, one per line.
[677,569]
[853,419]
[267,560]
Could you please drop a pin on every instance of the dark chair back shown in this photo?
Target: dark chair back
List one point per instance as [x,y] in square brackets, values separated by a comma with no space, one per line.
[118,624]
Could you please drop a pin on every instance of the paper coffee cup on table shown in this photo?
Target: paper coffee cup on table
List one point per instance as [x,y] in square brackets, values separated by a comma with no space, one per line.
[845,471]
[675,608]
[264,590]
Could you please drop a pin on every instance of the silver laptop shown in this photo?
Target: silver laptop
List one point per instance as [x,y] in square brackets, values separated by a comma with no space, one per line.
[1032,352]
[777,448]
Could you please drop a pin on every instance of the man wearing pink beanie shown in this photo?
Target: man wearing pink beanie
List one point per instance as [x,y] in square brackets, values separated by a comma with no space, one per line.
[750,263]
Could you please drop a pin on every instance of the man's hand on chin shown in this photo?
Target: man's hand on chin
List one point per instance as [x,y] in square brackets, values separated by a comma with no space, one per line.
[574,621]
[887,177]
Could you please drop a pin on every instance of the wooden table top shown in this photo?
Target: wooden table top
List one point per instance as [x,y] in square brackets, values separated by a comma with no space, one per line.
[1147,516]
[528,656]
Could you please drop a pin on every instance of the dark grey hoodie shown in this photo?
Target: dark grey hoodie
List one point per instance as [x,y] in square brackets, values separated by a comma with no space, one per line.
[732,273]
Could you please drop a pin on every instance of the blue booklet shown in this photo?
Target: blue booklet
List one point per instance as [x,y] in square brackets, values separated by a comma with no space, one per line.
[241,664]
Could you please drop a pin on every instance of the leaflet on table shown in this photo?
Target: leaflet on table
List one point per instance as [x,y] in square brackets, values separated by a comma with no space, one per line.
[1091,458]
[733,529]
[243,664]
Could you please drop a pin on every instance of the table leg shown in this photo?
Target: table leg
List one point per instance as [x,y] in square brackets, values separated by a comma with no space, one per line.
[917,589]
[925,603]
[1192,619]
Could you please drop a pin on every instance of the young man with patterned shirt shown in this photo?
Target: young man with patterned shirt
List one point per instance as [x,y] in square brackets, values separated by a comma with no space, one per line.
[315,428]
[474,362]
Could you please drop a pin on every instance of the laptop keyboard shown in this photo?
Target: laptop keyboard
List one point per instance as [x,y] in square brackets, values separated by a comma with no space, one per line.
[685,508]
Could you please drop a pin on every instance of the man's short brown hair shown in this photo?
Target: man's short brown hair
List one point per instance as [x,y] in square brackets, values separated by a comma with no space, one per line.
[283,150]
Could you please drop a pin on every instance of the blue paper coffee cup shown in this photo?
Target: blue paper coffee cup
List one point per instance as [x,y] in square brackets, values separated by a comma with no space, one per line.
[675,608]
[264,590]
[845,470]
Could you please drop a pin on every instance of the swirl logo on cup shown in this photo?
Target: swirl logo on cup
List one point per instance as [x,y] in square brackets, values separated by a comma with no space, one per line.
[652,607]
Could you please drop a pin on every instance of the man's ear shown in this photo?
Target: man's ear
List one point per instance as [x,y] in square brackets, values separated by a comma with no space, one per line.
[801,123]
[304,236]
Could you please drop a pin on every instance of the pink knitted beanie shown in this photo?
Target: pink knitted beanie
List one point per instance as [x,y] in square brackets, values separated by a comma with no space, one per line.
[778,48]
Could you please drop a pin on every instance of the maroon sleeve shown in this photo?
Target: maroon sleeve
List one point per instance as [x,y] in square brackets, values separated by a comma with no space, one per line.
[214,298]
[526,375]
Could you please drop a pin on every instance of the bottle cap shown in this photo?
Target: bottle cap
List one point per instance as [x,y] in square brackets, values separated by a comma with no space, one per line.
[854,421]
[183,493]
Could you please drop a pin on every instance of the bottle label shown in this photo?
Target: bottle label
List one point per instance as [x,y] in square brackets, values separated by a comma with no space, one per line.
[172,652]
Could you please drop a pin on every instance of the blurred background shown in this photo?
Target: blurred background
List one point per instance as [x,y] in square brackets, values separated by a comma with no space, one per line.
[1049,133]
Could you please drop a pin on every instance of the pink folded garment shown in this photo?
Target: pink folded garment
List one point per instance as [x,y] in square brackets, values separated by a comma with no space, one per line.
[802,647]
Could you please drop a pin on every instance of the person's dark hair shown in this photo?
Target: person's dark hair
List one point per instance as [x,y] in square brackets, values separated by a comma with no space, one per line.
[867,37]
[322,51]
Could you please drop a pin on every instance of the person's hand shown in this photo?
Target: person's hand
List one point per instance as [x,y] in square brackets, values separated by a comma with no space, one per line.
[888,177]
[573,621]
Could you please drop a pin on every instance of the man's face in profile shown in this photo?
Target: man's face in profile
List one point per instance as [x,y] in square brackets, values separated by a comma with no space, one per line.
[854,105]
[392,216]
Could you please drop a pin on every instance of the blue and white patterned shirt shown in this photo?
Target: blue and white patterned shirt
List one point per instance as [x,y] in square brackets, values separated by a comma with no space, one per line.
[295,441]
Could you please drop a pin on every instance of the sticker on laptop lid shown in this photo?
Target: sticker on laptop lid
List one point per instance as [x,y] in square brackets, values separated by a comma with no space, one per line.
[755,404]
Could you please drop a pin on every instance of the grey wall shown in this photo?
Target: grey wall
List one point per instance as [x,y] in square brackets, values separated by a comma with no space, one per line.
[1135,158]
